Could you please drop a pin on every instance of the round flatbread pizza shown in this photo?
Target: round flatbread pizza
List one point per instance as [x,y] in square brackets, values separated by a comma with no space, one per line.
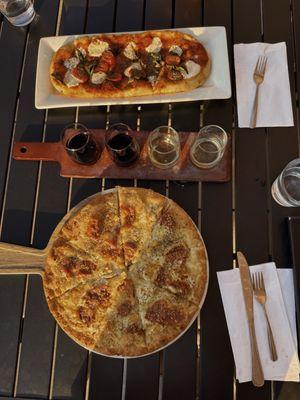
[125,65]
[127,273]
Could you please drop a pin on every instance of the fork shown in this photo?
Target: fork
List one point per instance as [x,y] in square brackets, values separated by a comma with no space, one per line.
[261,296]
[258,77]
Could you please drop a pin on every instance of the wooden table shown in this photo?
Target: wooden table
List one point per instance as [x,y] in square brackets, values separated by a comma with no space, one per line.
[37,360]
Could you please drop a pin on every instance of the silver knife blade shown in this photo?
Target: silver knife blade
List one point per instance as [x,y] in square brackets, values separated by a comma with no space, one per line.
[246,284]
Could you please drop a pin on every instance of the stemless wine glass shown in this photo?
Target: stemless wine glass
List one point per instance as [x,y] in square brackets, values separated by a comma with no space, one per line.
[286,187]
[121,145]
[18,12]
[164,147]
[80,144]
[209,146]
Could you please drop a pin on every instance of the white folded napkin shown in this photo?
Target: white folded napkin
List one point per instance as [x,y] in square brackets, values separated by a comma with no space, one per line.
[274,103]
[281,310]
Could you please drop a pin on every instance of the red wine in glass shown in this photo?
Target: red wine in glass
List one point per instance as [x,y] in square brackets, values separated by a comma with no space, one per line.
[122,147]
[81,145]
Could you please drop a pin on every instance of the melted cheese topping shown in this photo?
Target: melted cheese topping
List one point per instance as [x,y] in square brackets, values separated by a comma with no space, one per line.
[135,65]
[175,50]
[71,62]
[129,51]
[71,80]
[98,77]
[192,68]
[97,47]
[155,46]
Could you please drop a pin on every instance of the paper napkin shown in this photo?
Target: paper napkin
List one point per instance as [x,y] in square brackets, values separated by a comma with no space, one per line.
[281,310]
[275,106]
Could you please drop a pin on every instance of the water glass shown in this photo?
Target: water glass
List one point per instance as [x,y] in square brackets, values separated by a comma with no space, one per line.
[286,188]
[122,145]
[18,12]
[80,144]
[164,147]
[209,146]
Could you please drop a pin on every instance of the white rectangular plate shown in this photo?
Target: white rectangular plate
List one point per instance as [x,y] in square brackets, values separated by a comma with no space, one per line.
[217,85]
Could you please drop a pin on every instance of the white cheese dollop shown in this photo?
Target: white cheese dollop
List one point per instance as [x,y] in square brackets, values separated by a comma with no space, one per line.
[192,68]
[129,51]
[155,46]
[97,47]
[98,77]
[175,50]
[71,80]
[71,63]
[135,65]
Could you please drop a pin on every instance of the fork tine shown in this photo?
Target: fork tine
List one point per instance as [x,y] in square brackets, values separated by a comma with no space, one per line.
[262,280]
[257,64]
[264,69]
[257,280]
[254,279]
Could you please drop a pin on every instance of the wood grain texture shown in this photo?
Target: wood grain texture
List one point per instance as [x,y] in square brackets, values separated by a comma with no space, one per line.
[21,260]
[105,167]
[17,218]
[216,227]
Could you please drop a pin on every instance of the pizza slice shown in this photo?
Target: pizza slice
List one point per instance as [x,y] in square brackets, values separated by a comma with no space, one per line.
[164,316]
[81,311]
[96,229]
[67,266]
[123,333]
[139,210]
[175,257]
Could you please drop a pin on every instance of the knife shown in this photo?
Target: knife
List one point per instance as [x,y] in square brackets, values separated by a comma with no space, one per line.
[257,372]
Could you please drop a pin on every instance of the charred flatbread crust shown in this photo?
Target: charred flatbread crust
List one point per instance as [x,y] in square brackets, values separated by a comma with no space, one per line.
[140,87]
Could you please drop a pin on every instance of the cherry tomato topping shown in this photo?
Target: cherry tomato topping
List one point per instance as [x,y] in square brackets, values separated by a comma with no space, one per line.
[80,74]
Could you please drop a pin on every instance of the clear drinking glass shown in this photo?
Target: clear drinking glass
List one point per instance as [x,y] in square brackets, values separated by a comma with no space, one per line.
[164,147]
[18,12]
[286,188]
[209,146]
[80,144]
[122,145]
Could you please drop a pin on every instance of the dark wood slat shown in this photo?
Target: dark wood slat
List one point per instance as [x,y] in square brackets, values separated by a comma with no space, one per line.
[294,233]
[216,361]
[18,212]
[188,14]
[52,203]
[12,44]
[296,30]
[282,146]
[101,15]
[282,142]
[129,15]
[250,177]
[158,15]
[73,17]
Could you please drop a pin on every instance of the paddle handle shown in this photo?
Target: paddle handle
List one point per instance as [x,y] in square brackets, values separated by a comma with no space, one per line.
[21,260]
